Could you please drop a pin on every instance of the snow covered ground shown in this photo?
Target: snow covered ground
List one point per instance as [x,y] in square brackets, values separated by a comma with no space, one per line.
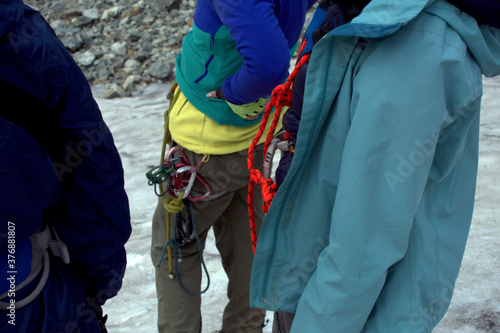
[137,126]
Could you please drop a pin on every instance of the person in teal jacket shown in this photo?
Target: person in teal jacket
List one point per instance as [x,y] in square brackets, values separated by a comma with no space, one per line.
[368,229]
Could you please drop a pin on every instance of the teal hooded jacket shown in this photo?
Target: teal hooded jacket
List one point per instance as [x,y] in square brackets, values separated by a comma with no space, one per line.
[368,230]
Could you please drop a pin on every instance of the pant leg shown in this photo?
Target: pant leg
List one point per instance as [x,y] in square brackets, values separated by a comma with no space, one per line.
[233,239]
[178,311]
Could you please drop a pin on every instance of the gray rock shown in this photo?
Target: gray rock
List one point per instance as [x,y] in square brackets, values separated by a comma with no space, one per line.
[91,13]
[71,13]
[149,20]
[166,4]
[129,84]
[115,91]
[81,21]
[177,22]
[131,64]
[98,51]
[90,34]
[120,48]
[159,70]
[84,58]
[140,56]
[124,21]
[134,35]
[57,25]
[103,72]
[111,13]
[73,43]
[130,12]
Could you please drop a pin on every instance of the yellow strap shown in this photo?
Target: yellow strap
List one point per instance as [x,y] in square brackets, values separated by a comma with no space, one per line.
[167,138]
[172,205]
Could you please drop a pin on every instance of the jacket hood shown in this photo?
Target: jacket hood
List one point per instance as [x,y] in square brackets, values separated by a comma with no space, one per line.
[10,12]
[383,17]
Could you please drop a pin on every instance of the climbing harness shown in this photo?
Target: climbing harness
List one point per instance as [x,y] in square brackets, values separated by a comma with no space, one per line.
[281,96]
[175,176]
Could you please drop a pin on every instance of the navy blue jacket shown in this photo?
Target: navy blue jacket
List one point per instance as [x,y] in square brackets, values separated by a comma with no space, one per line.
[59,166]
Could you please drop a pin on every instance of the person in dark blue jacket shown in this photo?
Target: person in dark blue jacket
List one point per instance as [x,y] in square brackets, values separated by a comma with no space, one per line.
[64,214]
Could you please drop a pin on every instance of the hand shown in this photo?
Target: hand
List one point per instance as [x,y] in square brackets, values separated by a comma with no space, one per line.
[216,94]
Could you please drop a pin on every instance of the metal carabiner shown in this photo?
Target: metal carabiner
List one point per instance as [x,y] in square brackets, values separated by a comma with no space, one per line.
[268,159]
[192,178]
[200,197]
[278,142]
[170,153]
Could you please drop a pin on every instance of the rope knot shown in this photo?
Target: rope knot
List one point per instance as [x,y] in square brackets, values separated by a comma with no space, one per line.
[269,189]
[174,205]
[281,95]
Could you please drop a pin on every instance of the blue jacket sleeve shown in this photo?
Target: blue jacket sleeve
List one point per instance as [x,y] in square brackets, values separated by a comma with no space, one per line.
[262,44]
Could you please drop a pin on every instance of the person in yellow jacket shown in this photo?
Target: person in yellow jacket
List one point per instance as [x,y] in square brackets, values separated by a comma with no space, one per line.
[236,53]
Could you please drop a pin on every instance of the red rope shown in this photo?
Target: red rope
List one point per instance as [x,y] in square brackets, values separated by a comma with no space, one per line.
[281,96]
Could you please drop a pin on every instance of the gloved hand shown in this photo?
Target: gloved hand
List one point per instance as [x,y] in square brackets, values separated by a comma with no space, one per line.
[248,111]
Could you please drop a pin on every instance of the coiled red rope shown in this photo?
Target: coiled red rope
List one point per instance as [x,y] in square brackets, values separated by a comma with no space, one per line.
[281,96]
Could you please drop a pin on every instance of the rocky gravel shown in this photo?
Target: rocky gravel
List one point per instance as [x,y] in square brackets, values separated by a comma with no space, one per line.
[123,44]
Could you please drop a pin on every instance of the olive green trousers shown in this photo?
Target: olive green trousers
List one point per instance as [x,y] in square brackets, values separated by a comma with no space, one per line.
[227,213]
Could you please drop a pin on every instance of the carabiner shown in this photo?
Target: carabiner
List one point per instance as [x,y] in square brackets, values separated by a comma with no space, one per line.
[200,197]
[192,178]
[170,153]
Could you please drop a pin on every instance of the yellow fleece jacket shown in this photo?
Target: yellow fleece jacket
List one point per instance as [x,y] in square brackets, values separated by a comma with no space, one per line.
[198,133]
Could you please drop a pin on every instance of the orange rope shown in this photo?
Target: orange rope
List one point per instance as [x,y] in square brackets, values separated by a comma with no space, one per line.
[281,96]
